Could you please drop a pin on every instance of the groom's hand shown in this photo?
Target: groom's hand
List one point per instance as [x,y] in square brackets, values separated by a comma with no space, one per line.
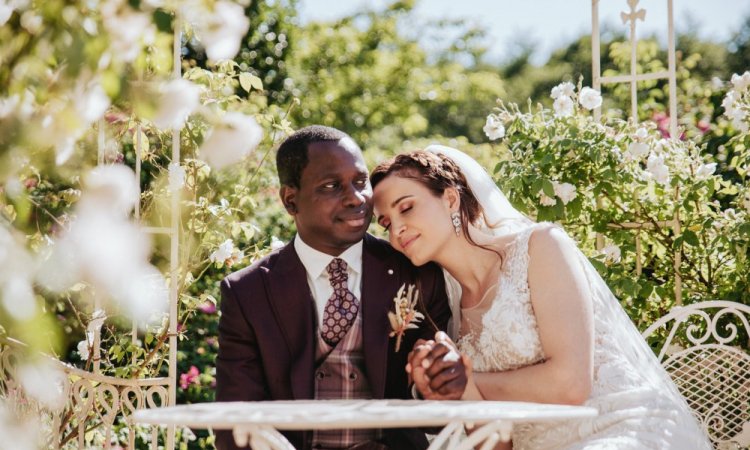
[437,369]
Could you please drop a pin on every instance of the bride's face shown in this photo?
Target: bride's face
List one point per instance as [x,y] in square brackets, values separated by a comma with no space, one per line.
[418,221]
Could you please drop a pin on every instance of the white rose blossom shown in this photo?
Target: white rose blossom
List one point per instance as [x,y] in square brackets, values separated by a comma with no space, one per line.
[221,30]
[545,200]
[564,89]
[612,253]
[127,28]
[658,170]
[637,150]
[590,98]
[565,191]
[232,140]
[45,382]
[226,254]
[177,100]
[705,171]
[563,106]
[741,82]
[494,128]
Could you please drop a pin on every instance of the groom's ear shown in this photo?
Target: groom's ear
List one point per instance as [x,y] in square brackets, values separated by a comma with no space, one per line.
[288,196]
[451,198]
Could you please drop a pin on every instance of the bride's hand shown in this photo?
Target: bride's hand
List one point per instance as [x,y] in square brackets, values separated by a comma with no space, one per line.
[437,368]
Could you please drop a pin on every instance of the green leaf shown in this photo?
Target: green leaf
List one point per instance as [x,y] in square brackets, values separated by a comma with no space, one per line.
[548,188]
[690,238]
[249,81]
[163,21]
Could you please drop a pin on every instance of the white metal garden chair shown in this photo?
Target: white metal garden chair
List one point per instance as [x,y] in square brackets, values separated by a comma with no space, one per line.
[702,353]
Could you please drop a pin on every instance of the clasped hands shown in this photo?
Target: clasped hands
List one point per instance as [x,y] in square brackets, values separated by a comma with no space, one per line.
[437,369]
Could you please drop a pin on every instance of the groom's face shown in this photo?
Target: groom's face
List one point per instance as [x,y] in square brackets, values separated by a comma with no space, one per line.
[332,207]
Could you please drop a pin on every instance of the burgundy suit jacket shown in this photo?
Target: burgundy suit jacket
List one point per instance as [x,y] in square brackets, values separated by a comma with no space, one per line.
[268,324]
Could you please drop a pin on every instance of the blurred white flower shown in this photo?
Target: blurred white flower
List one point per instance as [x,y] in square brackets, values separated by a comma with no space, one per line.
[705,171]
[226,254]
[91,101]
[545,200]
[144,295]
[741,82]
[111,188]
[590,98]
[641,133]
[177,100]
[729,100]
[276,243]
[717,83]
[18,298]
[636,150]
[127,28]
[84,346]
[494,128]
[6,9]
[658,170]
[176,177]
[8,104]
[27,432]
[565,89]
[563,106]
[565,191]
[31,22]
[231,140]
[221,30]
[612,254]
[44,381]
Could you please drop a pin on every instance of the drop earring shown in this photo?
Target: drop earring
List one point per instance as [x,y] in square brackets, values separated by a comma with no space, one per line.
[456,219]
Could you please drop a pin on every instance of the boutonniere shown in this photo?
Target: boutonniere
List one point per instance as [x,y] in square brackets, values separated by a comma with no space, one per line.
[405,315]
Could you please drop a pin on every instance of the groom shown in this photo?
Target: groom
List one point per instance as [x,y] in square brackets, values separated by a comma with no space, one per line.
[310,321]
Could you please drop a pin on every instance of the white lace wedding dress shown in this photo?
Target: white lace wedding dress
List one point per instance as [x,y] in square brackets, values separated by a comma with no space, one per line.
[639,407]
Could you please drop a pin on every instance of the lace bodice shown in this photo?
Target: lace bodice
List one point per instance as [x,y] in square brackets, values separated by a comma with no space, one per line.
[637,402]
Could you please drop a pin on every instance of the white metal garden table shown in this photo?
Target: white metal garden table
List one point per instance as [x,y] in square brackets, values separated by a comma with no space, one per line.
[257,423]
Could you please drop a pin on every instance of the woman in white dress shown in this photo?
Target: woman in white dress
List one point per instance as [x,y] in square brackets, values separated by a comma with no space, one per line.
[531,314]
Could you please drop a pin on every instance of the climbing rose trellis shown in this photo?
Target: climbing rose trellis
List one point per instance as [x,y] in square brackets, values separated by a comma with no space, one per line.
[628,184]
[84,84]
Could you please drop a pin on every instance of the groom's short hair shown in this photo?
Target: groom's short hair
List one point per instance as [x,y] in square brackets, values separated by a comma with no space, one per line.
[291,157]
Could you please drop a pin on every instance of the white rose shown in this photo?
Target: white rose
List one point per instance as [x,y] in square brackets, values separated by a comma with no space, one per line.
[612,253]
[546,201]
[222,253]
[637,150]
[494,128]
[565,89]
[128,29]
[563,106]
[222,30]
[177,100]
[231,140]
[657,169]
[565,191]
[741,82]
[705,171]
[590,98]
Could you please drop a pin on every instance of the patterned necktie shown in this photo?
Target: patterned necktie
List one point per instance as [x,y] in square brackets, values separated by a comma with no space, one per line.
[342,308]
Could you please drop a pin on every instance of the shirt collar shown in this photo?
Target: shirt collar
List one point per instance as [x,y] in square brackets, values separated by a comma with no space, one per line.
[315,261]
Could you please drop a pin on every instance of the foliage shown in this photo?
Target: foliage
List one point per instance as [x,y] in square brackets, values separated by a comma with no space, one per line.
[628,184]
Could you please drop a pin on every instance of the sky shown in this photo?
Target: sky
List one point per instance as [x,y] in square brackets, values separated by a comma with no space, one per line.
[550,24]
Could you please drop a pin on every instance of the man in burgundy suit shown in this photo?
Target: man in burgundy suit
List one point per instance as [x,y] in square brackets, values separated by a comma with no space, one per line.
[309,321]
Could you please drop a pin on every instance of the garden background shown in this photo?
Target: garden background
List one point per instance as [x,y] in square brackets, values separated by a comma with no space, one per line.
[371,76]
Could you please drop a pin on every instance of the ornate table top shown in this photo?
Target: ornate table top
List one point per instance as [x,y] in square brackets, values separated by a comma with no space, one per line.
[332,414]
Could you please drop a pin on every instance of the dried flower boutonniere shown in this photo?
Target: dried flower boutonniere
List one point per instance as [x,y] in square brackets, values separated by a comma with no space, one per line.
[405,317]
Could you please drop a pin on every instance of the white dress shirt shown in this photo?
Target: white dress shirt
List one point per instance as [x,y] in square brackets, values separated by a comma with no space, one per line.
[315,263]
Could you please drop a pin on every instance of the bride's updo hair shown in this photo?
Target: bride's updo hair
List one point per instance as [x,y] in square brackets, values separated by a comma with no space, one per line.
[436,172]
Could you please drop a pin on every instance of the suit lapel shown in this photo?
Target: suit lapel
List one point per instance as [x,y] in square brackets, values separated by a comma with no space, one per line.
[375,307]
[292,304]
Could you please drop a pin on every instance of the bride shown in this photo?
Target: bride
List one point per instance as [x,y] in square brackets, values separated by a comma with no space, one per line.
[537,322]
